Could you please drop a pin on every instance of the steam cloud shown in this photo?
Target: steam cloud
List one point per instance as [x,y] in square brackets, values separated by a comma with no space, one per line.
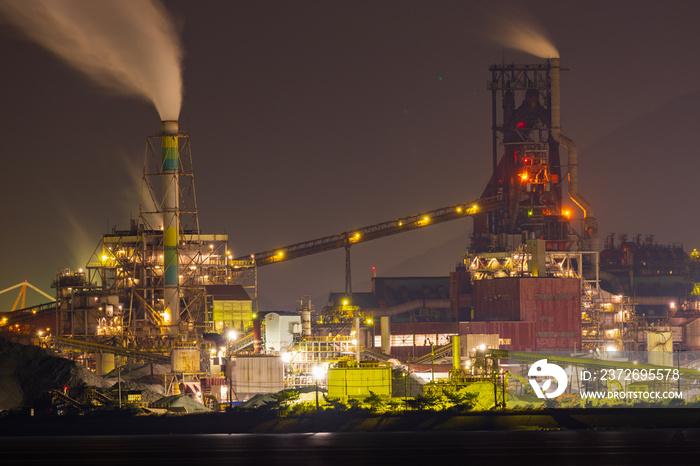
[126,45]
[517,29]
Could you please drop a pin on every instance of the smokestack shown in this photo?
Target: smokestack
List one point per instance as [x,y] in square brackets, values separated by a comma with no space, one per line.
[386,334]
[589,217]
[171,224]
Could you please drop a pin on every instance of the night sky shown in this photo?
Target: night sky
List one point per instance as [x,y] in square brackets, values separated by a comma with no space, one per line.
[313,118]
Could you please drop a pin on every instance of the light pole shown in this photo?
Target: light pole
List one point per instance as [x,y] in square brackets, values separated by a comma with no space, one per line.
[119,384]
[678,364]
[318,374]
[407,375]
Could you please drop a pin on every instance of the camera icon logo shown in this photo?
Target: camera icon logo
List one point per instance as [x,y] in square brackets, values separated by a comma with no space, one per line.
[542,369]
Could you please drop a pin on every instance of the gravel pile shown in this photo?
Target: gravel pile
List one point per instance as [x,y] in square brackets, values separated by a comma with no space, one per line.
[184,402]
[149,393]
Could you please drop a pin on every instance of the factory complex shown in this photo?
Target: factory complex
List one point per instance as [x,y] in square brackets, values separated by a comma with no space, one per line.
[534,283]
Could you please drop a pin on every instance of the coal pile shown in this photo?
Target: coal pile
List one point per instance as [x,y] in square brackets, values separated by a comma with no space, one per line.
[26,372]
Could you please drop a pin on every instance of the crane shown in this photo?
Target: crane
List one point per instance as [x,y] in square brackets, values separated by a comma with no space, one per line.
[22,296]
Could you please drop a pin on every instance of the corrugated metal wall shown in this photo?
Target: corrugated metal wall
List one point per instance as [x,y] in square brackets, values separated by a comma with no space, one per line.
[552,304]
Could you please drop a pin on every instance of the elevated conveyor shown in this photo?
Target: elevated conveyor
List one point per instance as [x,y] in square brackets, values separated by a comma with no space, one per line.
[93,347]
[29,314]
[371,232]
[439,352]
[242,343]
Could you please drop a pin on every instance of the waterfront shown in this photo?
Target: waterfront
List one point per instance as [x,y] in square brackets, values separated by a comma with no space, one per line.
[663,446]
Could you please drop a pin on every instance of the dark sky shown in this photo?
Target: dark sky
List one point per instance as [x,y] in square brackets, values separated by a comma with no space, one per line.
[313,118]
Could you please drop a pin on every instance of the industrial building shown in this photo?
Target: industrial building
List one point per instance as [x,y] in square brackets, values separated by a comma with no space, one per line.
[530,281]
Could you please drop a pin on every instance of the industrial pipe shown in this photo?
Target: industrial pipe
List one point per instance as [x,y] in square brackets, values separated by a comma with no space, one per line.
[171,225]
[555,107]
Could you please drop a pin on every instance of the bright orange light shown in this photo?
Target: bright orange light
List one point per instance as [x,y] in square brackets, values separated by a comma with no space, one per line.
[566,213]
[523,176]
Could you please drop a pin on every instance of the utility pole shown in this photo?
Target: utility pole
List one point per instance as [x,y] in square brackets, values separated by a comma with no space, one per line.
[119,384]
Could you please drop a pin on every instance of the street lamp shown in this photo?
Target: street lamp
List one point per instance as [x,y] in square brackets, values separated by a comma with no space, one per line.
[318,374]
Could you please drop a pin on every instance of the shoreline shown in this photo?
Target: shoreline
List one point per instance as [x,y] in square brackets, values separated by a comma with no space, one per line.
[256,422]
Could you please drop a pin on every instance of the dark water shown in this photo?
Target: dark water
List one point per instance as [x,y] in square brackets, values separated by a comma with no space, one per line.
[424,448]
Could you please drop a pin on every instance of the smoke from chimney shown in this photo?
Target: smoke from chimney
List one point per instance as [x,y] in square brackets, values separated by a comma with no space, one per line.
[125,45]
[516,28]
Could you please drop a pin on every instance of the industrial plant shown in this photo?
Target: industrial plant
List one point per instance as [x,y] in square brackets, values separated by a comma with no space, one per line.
[533,281]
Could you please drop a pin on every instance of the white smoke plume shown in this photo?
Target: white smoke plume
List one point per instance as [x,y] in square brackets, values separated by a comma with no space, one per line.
[130,46]
[516,28]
